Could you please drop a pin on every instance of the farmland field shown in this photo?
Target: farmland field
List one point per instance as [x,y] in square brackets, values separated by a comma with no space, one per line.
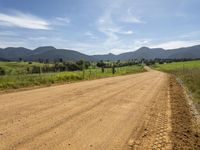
[188,72]
[178,66]
[16,68]
[16,75]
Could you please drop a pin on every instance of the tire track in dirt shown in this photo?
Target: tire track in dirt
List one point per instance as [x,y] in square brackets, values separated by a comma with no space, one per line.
[171,126]
[153,131]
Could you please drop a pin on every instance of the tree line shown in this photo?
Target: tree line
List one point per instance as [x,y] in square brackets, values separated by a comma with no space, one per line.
[59,65]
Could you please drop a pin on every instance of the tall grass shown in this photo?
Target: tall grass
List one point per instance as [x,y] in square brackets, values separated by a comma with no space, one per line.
[188,72]
[26,80]
[16,68]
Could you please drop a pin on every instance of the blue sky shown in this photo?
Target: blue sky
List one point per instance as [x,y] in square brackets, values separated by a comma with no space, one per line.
[100,26]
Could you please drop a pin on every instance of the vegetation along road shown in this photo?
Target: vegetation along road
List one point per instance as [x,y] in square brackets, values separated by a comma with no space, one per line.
[140,111]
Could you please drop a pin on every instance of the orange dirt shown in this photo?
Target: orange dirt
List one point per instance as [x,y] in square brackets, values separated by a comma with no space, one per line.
[185,133]
[125,112]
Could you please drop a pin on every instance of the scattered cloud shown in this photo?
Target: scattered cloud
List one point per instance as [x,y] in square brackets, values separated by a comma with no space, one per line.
[113,31]
[176,44]
[106,26]
[118,30]
[129,17]
[90,34]
[129,32]
[23,20]
[61,21]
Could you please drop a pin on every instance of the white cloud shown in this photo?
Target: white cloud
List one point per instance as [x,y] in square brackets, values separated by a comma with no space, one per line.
[118,30]
[64,19]
[90,34]
[130,18]
[113,24]
[176,44]
[113,31]
[61,21]
[129,32]
[106,26]
[23,20]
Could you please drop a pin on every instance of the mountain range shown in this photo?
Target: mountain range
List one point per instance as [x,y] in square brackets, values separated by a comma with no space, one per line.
[51,53]
[46,52]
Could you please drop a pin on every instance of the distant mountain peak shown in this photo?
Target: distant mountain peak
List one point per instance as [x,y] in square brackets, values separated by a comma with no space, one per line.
[143,48]
[14,48]
[45,48]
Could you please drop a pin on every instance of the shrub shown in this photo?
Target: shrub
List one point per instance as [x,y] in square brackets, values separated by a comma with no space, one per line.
[2,71]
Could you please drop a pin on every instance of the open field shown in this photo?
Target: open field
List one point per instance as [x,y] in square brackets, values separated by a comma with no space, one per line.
[16,68]
[139,111]
[189,73]
[17,77]
[178,66]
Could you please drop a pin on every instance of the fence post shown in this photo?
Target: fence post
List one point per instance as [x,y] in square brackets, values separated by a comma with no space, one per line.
[83,67]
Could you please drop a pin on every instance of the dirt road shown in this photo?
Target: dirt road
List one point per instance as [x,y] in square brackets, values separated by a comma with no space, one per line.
[125,112]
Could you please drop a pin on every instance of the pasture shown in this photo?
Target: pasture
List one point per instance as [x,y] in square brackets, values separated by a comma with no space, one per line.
[16,75]
[188,72]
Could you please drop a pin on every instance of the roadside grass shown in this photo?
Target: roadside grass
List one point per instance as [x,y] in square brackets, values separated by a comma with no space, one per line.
[188,72]
[15,81]
[16,68]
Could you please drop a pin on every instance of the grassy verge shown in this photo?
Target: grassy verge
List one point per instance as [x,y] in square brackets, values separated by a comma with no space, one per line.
[27,80]
[188,72]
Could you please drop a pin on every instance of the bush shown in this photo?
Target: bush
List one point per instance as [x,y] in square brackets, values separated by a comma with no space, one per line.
[36,69]
[2,71]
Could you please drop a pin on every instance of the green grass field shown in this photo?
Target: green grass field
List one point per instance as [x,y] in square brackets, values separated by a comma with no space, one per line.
[188,72]
[16,68]
[177,66]
[17,78]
